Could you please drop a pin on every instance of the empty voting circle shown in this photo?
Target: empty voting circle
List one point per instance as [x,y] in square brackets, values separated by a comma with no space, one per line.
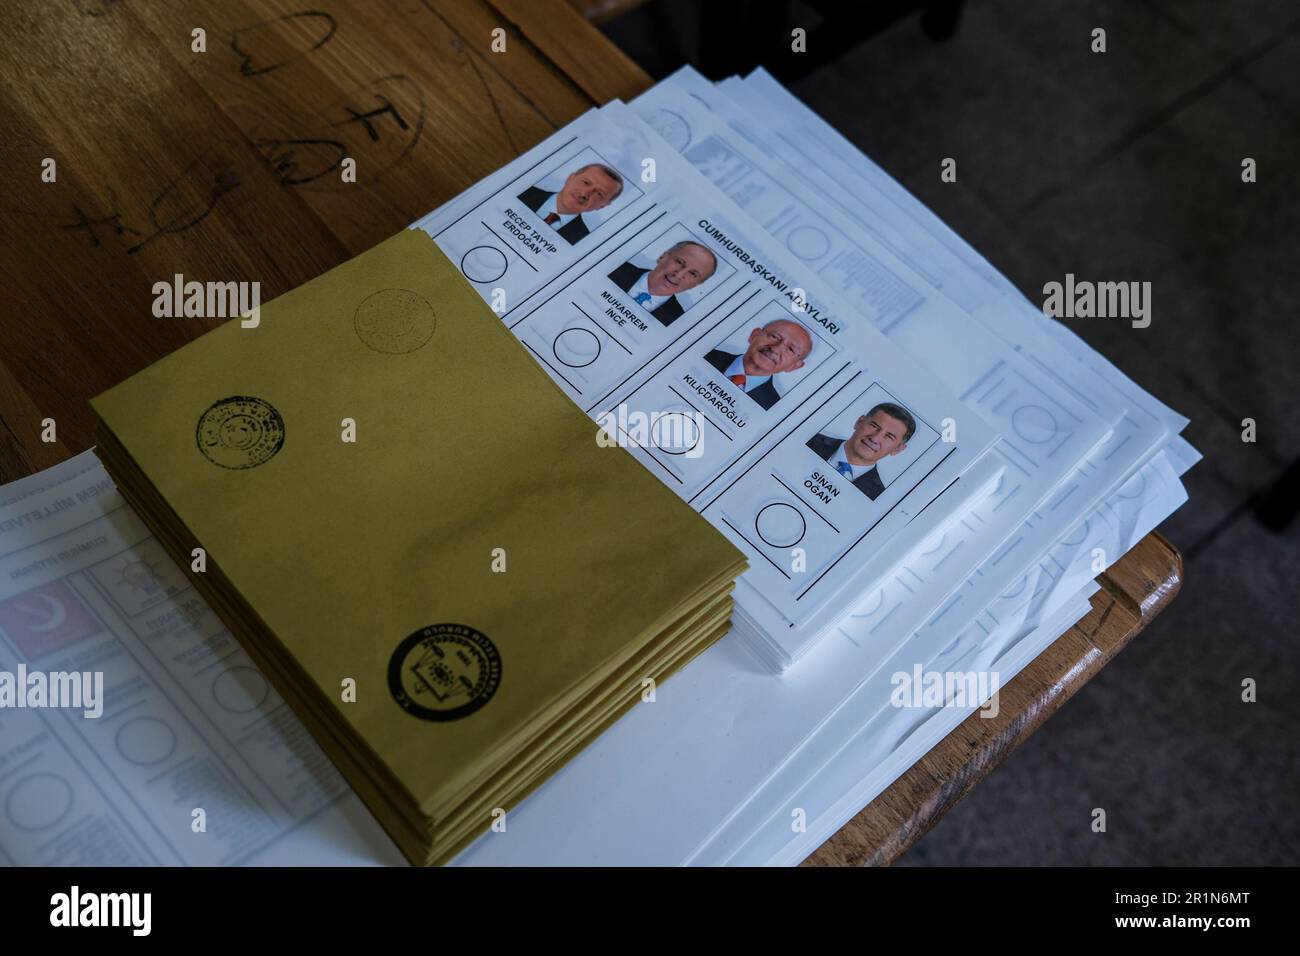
[675,433]
[672,127]
[808,242]
[483,264]
[38,802]
[780,524]
[576,348]
[1033,423]
[145,741]
[240,689]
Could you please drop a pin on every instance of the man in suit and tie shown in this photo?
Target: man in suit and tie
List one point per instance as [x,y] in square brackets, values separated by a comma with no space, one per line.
[882,432]
[681,267]
[592,187]
[780,346]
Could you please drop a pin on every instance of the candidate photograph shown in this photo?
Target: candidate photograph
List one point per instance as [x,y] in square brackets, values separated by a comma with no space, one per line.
[779,347]
[678,269]
[883,431]
[587,189]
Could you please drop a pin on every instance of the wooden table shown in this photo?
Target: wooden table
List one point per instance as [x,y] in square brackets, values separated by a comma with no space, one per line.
[223,165]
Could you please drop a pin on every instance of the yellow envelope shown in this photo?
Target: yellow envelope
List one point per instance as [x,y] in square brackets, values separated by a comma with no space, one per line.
[473,563]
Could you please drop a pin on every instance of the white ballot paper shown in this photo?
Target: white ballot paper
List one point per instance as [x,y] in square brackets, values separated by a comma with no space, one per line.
[776,411]
[769,115]
[194,759]
[871,739]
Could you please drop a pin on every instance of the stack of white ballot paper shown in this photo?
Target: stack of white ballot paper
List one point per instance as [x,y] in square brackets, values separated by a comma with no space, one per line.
[925,472]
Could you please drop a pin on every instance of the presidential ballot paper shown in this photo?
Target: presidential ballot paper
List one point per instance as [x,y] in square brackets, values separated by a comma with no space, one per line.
[727,366]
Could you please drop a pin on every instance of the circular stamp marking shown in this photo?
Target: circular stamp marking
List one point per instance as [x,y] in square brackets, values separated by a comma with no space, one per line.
[394,321]
[240,432]
[444,672]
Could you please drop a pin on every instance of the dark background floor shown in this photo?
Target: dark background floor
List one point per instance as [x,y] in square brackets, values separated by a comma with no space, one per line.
[1117,166]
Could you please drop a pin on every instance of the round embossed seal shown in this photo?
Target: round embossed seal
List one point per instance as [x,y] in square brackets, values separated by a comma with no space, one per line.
[444,672]
[240,432]
[394,321]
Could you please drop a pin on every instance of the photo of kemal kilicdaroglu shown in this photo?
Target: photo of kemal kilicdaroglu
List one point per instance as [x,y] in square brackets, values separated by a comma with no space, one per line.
[880,433]
[587,189]
[779,347]
[683,266]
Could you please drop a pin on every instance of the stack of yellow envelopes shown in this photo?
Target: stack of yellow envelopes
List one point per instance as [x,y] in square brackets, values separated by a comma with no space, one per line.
[417,537]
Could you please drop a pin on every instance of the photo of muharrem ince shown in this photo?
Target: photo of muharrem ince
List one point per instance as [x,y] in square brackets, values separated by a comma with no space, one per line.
[585,190]
[883,431]
[780,346]
[678,269]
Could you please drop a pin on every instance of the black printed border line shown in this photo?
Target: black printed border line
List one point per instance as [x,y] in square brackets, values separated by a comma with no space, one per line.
[829,381]
[674,358]
[508,245]
[807,504]
[695,239]
[512,183]
[698,412]
[755,547]
[557,372]
[849,549]
[686,326]
[608,334]
[473,209]
[906,495]
[633,441]
[594,255]
[830,344]
[703,318]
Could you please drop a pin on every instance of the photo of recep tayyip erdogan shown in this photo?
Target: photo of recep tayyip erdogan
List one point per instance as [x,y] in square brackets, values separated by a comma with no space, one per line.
[678,269]
[585,190]
[883,431]
[781,345]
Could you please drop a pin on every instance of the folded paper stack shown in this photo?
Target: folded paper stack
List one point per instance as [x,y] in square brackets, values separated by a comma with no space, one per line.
[417,536]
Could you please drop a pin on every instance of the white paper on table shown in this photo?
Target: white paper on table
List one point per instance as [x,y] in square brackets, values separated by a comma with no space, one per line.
[893,205]
[868,743]
[189,722]
[869,187]
[768,847]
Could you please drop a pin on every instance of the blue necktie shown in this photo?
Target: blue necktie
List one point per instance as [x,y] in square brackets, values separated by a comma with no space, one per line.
[642,298]
[844,468]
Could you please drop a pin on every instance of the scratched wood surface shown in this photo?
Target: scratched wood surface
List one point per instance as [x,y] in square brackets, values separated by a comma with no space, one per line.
[224,166]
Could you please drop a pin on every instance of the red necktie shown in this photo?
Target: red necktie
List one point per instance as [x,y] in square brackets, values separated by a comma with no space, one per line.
[739,380]
[551,218]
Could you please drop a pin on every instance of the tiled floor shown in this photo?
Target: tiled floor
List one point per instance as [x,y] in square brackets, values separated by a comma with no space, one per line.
[1127,166]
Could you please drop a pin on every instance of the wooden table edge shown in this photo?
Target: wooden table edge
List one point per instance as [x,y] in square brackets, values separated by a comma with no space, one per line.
[1133,591]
